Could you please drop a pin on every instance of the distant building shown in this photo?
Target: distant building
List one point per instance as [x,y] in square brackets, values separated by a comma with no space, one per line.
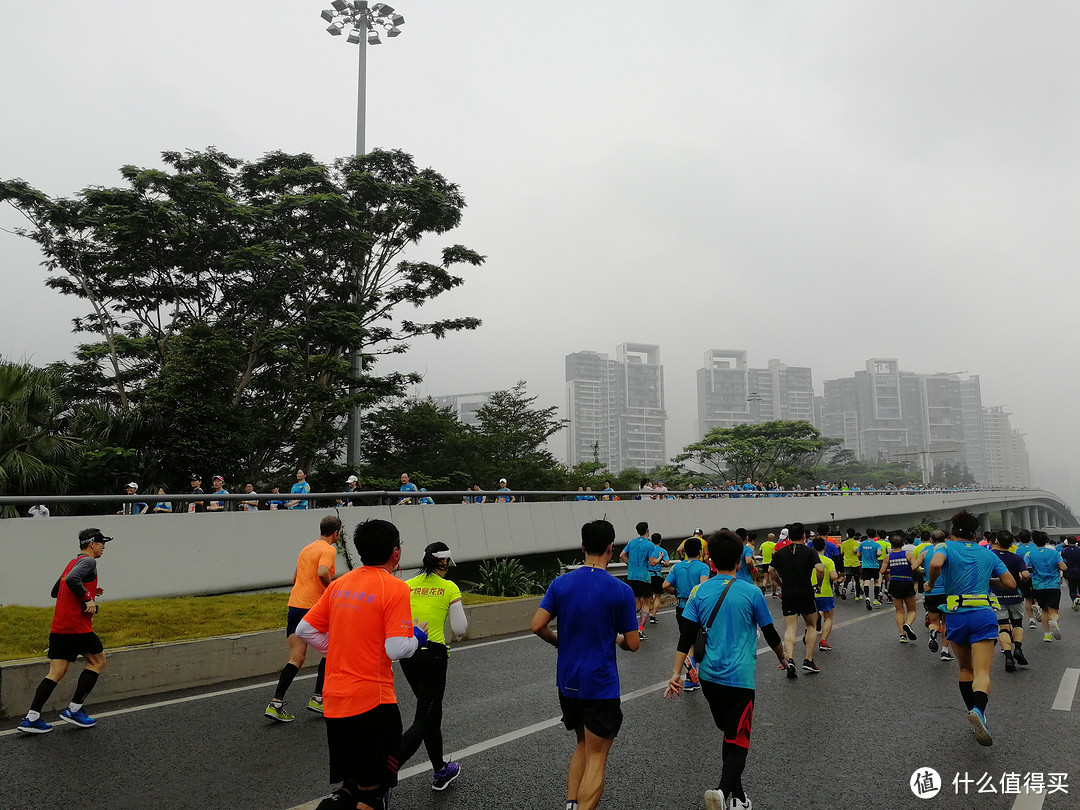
[616,407]
[1006,451]
[731,393]
[465,405]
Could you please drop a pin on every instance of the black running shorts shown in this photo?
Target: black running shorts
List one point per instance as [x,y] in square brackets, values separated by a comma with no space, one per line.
[601,717]
[657,585]
[797,604]
[933,604]
[642,590]
[901,589]
[1048,598]
[69,646]
[365,747]
[732,710]
[869,573]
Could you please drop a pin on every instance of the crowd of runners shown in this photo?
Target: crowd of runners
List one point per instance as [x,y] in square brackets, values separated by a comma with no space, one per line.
[978,592]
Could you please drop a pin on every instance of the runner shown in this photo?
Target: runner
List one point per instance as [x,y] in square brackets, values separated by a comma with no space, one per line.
[434,598]
[852,566]
[682,579]
[656,576]
[1031,610]
[638,555]
[1046,568]
[1010,613]
[825,600]
[731,611]
[596,613]
[363,623]
[900,564]
[313,573]
[766,551]
[969,570]
[886,547]
[71,635]
[871,562]
[919,572]
[792,569]
[746,563]
[1070,555]
[934,599]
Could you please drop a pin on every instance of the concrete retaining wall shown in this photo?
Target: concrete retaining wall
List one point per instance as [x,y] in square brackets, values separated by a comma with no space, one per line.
[156,668]
[169,555]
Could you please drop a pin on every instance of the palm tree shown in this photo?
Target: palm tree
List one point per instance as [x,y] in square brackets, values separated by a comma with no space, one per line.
[36,454]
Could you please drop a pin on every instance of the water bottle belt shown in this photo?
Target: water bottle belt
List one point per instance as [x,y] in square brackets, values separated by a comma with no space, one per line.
[971,600]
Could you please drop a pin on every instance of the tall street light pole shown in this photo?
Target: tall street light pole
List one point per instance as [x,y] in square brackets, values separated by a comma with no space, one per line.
[366,26]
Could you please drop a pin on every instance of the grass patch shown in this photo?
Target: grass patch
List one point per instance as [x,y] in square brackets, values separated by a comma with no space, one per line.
[129,622]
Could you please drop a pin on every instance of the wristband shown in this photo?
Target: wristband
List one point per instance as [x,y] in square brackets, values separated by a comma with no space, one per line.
[420,635]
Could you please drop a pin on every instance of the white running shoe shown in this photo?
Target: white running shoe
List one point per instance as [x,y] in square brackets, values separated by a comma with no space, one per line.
[740,804]
[714,800]
[1055,631]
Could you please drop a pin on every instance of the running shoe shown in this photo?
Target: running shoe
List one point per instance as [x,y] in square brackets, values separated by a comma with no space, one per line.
[825,646]
[843,593]
[277,712]
[1047,637]
[441,780]
[315,705]
[643,635]
[1036,611]
[1076,604]
[933,641]
[869,605]
[858,597]
[740,804]
[926,621]
[1018,656]
[810,666]
[79,718]
[946,655]
[904,640]
[1055,631]
[1010,662]
[338,800]
[38,726]
[877,603]
[978,725]
[910,633]
[792,673]
[689,686]
[1032,624]
[714,800]
[652,620]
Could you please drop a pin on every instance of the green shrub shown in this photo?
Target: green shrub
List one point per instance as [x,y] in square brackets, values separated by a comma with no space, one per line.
[505,578]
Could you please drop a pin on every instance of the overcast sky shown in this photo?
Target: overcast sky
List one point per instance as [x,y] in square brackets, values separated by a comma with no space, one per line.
[819,182]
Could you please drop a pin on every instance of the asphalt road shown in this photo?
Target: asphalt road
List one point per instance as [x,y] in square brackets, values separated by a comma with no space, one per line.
[849,737]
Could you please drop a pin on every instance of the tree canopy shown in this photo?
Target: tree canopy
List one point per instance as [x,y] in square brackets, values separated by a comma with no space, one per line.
[760,452]
[225,298]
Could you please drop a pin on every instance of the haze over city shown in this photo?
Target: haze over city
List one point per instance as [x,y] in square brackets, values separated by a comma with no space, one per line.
[819,183]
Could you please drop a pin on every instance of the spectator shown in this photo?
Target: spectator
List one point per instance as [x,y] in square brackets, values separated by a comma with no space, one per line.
[218,506]
[196,489]
[133,508]
[162,507]
[406,486]
[474,498]
[38,510]
[276,504]
[301,487]
[352,484]
[252,505]
[607,488]
[426,500]
[504,498]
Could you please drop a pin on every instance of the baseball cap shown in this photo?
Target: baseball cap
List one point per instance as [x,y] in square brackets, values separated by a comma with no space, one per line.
[502,480]
[132,485]
[88,536]
[218,478]
[352,479]
[698,531]
[194,477]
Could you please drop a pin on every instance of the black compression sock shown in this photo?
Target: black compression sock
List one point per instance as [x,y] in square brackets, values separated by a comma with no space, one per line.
[320,678]
[87,680]
[980,699]
[877,593]
[288,672]
[1017,645]
[968,694]
[43,693]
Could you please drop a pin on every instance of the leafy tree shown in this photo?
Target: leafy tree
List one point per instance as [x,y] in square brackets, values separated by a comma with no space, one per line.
[417,437]
[766,451]
[36,454]
[951,475]
[285,265]
[863,473]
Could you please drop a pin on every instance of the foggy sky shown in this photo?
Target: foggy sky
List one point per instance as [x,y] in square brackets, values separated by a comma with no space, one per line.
[815,182]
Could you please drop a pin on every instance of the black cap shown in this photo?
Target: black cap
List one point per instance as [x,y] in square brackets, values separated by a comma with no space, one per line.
[88,536]
[194,477]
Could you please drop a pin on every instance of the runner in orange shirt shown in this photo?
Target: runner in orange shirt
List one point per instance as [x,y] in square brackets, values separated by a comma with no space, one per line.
[363,623]
[314,571]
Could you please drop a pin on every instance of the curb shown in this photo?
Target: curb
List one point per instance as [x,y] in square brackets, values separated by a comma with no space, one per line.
[155,668]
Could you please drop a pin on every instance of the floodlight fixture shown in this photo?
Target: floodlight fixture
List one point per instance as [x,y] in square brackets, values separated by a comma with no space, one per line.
[373,38]
[393,32]
[354,37]
[327,15]
[384,9]
[334,30]
[339,5]
[397,20]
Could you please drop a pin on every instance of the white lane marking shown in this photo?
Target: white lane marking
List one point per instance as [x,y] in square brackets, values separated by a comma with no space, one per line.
[1029,801]
[1067,690]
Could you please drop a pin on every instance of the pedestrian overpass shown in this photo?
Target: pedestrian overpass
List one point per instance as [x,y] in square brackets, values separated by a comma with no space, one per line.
[177,554]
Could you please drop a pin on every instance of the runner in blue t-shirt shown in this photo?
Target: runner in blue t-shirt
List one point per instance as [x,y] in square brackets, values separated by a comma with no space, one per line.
[638,555]
[969,570]
[1031,610]
[1046,567]
[681,580]
[656,576]
[727,669]
[595,612]
[870,559]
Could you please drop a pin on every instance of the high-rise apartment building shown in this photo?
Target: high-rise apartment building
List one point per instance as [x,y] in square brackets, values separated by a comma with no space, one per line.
[731,393]
[616,407]
[1006,451]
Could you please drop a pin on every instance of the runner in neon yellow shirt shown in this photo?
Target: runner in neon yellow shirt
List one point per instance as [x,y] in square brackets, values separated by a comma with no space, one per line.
[824,597]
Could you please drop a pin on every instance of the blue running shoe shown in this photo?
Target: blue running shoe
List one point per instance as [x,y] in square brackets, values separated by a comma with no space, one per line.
[79,718]
[978,725]
[38,726]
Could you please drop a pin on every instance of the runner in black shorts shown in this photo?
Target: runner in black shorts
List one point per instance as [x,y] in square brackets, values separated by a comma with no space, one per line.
[792,569]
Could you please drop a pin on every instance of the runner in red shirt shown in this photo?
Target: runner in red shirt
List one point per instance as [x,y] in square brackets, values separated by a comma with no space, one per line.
[71,635]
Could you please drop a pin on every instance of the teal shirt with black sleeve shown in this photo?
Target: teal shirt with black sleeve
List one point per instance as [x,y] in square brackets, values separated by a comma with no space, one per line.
[731,650]
[684,576]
